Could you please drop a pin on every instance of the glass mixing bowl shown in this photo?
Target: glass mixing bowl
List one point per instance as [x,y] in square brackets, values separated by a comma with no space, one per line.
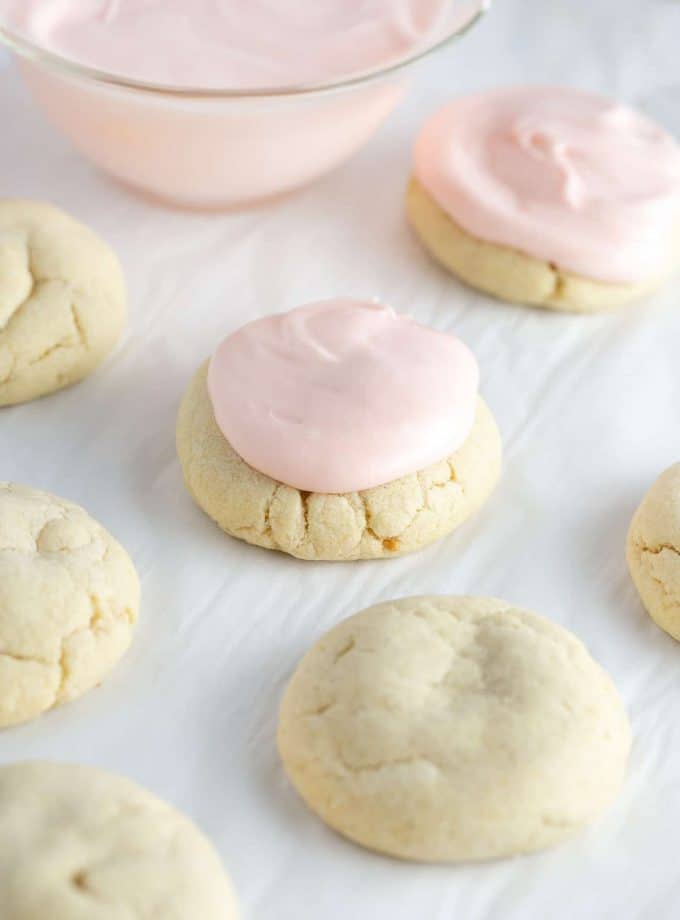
[217,148]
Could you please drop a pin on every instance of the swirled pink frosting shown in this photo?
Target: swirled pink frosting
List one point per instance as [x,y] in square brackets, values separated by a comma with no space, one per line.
[235,44]
[569,177]
[342,395]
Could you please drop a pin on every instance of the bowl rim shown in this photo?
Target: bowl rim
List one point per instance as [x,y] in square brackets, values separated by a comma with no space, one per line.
[27,49]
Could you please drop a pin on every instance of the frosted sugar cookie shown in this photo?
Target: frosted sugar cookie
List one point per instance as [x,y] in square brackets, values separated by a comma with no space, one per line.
[69,599]
[453,729]
[548,196]
[80,844]
[653,551]
[62,300]
[340,430]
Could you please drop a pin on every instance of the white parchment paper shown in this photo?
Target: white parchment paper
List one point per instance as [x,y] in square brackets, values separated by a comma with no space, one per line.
[589,411]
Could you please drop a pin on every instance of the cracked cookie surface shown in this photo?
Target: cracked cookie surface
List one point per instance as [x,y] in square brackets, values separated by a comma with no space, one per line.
[62,300]
[390,520]
[69,600]
[77,843]
[453,729]
[508,273]
[653,551]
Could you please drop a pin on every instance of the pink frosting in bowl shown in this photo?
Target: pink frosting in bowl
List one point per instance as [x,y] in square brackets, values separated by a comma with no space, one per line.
[236,44]
[566,176]
[342,395]
[221,103]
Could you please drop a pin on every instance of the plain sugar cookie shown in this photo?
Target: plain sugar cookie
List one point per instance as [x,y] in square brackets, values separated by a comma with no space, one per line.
[80,844]
[386,521]
[453,729]
[69,600]
[62,300]
[653,551]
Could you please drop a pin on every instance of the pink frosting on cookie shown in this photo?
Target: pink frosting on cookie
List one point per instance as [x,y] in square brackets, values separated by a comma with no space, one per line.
[566,176]
[342,395]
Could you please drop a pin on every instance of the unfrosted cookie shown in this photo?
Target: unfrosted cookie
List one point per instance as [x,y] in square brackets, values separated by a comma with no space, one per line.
[548,196]
[80,844]
[653,551]
[62,300]
[385,521]
[453,729]
[69,598]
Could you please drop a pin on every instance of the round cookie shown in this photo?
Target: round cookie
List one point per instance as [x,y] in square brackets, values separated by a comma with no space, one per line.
[80,844]
[453,729]
[69,599]
[653,551]
[62,300]
[547,196]
[389,520]
[509,274]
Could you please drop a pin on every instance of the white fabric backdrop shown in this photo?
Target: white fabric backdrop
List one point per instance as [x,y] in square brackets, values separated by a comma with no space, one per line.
[589,414]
